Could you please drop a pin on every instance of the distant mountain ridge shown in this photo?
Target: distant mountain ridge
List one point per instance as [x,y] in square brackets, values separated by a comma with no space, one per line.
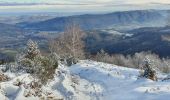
[154,39]
[136,18]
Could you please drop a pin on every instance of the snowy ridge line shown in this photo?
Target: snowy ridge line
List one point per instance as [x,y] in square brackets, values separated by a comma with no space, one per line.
[90,80]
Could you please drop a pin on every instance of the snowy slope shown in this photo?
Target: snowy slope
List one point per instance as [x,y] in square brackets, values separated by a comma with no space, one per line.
[89,80]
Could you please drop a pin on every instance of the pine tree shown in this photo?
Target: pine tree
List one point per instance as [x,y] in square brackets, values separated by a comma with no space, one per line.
[32,50]
[41,67]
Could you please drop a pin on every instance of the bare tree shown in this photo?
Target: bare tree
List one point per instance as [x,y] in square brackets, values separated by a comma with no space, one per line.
[69,44]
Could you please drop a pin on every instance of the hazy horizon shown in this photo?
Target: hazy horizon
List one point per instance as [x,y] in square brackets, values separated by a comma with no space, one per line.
[79,6]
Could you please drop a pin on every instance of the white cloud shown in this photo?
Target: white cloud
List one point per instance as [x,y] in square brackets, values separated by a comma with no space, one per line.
[89,5]
[147,1]
[88,1]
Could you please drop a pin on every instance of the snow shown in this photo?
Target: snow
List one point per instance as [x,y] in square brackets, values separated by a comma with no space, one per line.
[113,32]
[90,80]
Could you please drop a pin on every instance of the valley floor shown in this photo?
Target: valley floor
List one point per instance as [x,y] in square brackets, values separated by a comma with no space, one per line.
[89,80]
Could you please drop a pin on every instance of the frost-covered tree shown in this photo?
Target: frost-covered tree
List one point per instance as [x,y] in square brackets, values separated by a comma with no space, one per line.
[32,50]
[102,56]
[149,72]
[28,60]
[41,67]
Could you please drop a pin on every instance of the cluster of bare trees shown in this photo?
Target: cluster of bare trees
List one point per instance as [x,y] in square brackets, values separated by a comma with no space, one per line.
[134,61]
[69,44]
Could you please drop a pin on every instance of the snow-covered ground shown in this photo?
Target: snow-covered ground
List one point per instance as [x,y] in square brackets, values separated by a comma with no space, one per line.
[88,80]
[113,32]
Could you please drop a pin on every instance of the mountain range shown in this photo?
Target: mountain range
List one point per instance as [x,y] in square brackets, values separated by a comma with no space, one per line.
[129,31]
[117,20]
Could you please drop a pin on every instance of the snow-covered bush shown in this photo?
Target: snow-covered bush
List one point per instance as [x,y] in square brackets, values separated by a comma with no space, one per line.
[70,61]
[46,70]
[3,77]
[102,56]
[148,70]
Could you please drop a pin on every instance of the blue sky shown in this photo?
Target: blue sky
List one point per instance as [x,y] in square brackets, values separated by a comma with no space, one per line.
[80,5]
